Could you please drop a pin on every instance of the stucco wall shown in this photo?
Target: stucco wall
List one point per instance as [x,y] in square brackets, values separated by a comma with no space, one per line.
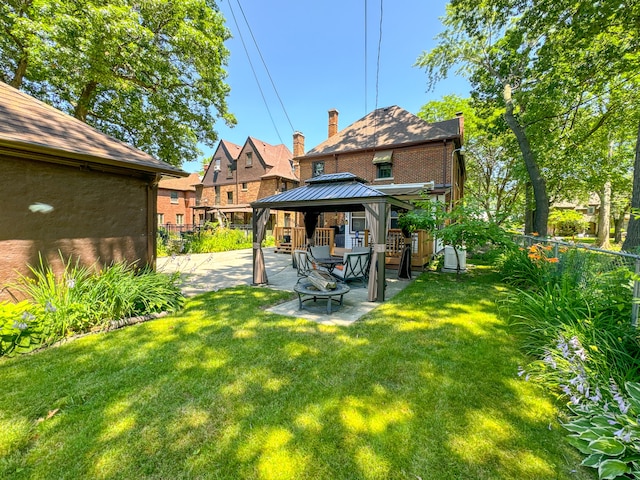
[96,217]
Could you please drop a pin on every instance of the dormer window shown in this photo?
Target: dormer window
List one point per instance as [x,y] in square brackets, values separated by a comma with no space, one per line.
[249,161]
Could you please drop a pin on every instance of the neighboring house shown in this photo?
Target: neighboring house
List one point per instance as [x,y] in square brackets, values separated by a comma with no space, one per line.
[396,152]
[176,199]
[590,212]
[71,191]
[238,175]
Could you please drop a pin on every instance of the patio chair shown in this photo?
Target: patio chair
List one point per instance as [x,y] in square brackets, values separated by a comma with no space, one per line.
[321,251]
[355,267]
[305,263]
[302,262]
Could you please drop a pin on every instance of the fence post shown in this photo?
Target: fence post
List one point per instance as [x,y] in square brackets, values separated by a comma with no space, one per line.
[636,295]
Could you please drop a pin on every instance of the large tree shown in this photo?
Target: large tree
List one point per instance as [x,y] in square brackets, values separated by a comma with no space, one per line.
[493,185]
[150,73]
[538,60]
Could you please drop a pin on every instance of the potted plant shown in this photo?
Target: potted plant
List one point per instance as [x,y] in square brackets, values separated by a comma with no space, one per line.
[467,229]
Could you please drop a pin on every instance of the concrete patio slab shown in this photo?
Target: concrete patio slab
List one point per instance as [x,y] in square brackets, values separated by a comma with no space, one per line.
[206,272]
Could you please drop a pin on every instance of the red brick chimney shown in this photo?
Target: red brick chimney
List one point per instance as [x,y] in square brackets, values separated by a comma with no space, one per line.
[298,144]
[333,122]
[460,117]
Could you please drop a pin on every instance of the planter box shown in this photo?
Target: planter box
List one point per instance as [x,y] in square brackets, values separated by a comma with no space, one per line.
[451,261]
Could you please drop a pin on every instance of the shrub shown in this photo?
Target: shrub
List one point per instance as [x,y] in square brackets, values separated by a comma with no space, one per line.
[576,322]
[567,222]
[81,299]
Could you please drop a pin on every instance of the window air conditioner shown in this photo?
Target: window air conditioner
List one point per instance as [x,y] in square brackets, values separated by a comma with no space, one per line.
[216,168]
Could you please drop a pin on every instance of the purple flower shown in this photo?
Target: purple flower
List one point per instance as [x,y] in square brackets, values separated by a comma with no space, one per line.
[27,317]
[19,325]
[71,283]
[49,307]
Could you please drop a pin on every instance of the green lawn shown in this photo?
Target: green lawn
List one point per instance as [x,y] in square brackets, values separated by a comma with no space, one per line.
[424,387]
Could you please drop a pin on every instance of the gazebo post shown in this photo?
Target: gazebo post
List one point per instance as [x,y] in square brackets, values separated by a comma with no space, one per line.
[382,240]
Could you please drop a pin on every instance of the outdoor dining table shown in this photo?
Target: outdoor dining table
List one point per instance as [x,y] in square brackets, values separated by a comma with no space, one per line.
[330,262]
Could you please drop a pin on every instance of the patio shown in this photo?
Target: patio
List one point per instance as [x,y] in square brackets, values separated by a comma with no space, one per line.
[205,272]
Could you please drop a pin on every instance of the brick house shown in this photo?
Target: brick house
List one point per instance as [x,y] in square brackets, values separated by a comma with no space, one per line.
[238,175]
[176,199]
[396,152]
[70,190]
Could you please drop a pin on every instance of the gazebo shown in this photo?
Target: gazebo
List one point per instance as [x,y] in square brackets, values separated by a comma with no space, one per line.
[338,192]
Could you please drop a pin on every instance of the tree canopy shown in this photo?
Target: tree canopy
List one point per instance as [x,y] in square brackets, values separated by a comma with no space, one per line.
[148,72]
[542,63]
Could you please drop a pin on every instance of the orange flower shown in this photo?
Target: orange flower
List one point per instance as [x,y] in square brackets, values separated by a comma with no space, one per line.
[553,259]
[535,234]
[534,256]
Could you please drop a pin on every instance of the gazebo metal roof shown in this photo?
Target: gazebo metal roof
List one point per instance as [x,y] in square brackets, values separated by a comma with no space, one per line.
[336,192]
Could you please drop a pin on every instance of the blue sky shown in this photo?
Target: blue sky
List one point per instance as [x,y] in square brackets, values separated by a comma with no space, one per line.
[315,53]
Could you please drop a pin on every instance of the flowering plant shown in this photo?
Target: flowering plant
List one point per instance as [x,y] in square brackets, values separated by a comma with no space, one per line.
[19,329]
[605,421]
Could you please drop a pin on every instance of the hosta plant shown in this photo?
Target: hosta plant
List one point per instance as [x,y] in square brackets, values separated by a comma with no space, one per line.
[604,420]
[20,330]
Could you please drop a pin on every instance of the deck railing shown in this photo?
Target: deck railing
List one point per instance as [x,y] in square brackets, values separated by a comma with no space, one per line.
[289,239]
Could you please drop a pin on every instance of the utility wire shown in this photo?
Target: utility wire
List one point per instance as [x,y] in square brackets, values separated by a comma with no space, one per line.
[254,72]
[365,57]
[265,66]
[375,120]
[378,60]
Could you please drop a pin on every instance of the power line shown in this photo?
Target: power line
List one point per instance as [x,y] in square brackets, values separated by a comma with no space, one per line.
[254,72]
[375,116]
[378,59]
[365,57]
[265,66]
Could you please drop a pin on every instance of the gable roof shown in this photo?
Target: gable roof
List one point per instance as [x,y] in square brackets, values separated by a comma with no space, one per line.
[231,149]
[29,125]
[183,184]
[277,159]
[335,192]
[386,127]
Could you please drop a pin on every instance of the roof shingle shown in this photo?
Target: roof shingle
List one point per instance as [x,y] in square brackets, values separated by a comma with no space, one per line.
[386,127]
[29,124]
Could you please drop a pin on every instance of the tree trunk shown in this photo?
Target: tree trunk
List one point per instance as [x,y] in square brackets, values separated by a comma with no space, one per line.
[82,107]
[528,211]
[16,81]
[632,241]
[541,215]
[604,216]
[618,223]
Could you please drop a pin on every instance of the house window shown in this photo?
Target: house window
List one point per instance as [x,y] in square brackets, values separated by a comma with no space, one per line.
[229,171]
[249,162]
[317,169]
[245,186]
[230,198]
[179,219]
[358,222]
[383,170]
[591,210]
[217,190]
[283,187]
[174,197]
[216,164]
[161,219]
